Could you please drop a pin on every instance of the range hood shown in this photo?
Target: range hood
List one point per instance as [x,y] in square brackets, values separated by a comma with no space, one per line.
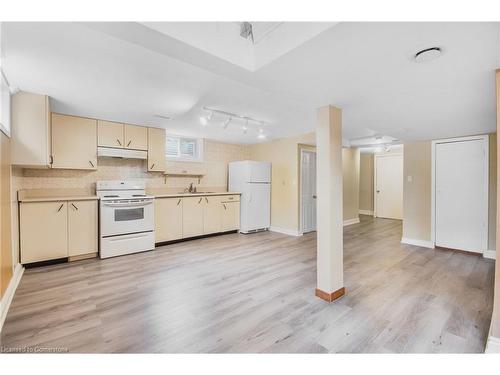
[121,153]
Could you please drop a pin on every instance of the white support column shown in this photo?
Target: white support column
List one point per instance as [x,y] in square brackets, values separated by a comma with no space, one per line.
[329,212]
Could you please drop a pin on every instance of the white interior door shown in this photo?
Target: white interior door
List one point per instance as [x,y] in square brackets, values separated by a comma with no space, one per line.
[389,186]
[461,195]
[308,191]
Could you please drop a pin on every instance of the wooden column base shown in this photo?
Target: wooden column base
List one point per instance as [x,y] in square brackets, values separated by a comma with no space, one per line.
[330,297]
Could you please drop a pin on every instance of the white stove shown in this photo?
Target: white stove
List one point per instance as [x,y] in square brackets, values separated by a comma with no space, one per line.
[126,218]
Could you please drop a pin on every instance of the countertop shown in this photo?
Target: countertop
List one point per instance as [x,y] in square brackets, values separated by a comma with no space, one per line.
[200,194]
[52,195]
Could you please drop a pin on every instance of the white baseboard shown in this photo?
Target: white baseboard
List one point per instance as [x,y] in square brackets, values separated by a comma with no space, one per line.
[289,232]
[492,345]
[421,243]
[9,293]
[351,221]
[365,212]
[490,254]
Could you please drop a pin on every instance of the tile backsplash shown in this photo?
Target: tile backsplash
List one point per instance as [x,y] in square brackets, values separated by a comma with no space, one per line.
[216,157]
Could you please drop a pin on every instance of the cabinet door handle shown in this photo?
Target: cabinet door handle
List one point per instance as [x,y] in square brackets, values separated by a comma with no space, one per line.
[60,207]
[76,208]
[200,200]
[224,206]
[129,142]
[117,140]
[92,164]
[179,202]
[152,166]
[206,199]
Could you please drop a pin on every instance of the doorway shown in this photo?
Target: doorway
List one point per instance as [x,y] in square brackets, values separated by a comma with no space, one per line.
[388,185]
[307,191]
[460,193]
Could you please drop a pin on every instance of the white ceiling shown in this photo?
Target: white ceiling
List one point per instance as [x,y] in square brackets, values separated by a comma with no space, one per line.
[130,72]
[222,39]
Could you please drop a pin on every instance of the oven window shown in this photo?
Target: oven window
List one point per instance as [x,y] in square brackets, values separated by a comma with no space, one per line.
[129,214]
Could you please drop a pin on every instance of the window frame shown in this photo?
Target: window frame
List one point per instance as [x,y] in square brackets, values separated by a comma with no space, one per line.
[199,149]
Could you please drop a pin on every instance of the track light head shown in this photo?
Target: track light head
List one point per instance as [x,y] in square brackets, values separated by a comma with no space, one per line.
[226,123]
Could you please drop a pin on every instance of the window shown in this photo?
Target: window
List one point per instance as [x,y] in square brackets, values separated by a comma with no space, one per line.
[184,148]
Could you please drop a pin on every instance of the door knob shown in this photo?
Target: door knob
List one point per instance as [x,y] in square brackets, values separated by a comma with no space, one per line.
[378,191]
[314,197]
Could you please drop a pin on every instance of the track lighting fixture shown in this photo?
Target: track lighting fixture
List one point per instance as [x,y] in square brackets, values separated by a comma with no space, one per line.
[250,122]
[226,123]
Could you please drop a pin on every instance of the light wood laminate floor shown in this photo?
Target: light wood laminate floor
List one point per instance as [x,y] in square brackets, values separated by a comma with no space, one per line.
[255,293]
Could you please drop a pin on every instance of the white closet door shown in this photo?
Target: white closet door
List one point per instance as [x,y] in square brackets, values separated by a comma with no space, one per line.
[389,186]
[308,191]
[461,195]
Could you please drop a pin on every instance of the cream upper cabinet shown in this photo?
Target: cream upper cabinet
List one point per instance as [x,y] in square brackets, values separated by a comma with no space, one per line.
[74,142]
[44,231]
[230,217]
[192,216]
[30,116]
[82,227]
[136,137]
[156,150]
[168,219]
[110,134]
[211,214]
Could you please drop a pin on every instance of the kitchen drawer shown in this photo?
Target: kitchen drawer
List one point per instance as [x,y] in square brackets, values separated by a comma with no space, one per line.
[230,198]
[127,244]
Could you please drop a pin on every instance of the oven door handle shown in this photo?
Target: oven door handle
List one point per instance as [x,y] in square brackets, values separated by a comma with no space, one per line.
[127,204]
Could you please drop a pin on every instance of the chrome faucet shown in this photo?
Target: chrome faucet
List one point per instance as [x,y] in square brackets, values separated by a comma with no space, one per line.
[191,188]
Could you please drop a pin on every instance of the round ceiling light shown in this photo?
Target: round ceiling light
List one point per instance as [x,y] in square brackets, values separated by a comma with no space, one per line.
[427,54]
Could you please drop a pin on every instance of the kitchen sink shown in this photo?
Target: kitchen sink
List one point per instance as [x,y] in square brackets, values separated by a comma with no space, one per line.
[198,192]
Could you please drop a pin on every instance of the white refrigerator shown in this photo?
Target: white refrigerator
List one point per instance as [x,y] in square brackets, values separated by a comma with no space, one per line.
[253,180]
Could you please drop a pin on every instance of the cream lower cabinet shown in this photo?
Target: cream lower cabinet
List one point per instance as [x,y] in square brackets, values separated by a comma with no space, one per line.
[192,216]
[44,231]
[186,217]
[211,214]
[230,217]
[61,229]
[82,227]
[168,219]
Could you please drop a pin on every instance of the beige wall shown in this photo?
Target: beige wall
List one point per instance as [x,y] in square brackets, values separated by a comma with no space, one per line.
[350,172]
[492,199]
[495,318]
[5,215]
[417,194]
[366,182]
[285,157]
